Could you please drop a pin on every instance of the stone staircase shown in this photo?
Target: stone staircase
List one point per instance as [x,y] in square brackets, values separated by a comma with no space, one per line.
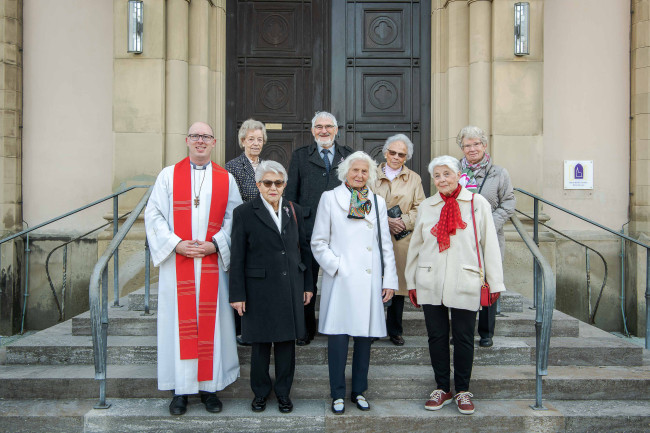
[596,382]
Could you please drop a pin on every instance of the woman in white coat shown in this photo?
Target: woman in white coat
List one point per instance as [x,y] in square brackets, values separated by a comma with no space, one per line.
[443,274]
[350,222]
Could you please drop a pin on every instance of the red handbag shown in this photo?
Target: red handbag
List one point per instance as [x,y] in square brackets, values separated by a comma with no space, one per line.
[487,298]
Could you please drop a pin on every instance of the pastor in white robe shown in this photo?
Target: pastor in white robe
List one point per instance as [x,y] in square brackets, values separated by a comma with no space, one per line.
[348,250]
[174,373]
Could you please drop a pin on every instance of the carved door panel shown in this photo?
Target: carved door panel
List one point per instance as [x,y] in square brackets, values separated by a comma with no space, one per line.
[381,75]
[275,71]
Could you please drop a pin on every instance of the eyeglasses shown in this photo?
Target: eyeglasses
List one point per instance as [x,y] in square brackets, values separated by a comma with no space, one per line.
[268,183]
[206,138]
[393,153]
[468,145]
[321,127]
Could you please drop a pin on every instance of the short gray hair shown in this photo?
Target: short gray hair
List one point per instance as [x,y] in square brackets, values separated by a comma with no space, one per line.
[251,125]
[399,137]
[325,114]
[447,160]
[270,167]
[471,132]
[359,156]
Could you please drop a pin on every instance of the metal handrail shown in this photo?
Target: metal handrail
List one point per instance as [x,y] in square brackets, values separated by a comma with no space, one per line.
[537,199]
[544,311]
[26,232]
[591,314]
[72,212]
[99,307]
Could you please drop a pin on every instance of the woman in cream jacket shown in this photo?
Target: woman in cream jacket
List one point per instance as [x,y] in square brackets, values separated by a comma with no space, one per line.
[442,274]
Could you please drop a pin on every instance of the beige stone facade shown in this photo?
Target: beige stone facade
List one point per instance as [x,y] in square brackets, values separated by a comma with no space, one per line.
[581,93]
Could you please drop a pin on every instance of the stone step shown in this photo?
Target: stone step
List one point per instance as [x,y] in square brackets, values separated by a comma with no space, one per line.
[151,415]
[129,322]
[511,302]
[312,382]
[56,345]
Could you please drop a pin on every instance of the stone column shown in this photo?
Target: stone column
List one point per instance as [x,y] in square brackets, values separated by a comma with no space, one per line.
[11,215]
[176,81]
[198,61]
[218,71]
[138,100]
[517,98]
[640,132]
[480,56]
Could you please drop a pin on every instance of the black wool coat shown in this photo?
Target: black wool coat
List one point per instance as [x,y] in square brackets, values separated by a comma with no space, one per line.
[308,179]
[270,272]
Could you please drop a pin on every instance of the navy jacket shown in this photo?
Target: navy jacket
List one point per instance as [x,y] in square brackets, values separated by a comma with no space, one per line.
[308,179]
[244,174]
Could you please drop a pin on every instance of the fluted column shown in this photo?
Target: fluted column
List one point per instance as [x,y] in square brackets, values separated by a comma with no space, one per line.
[198,61]
[480,66]
[457,73]
[217,48]
[176,80]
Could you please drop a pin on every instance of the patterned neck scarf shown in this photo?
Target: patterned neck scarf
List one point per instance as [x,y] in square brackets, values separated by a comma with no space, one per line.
[359,202]
[450,220]
[469,171]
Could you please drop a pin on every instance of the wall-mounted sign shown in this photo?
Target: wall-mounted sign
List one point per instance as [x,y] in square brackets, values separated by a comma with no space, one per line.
[578,175]
[273,126]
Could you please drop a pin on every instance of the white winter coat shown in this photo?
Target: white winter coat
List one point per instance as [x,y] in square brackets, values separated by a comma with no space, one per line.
[347,251]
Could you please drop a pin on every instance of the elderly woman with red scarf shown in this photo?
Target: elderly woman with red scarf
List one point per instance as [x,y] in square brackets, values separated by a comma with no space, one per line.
[443,274]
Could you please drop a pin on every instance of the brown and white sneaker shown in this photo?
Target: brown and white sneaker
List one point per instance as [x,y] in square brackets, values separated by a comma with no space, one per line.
[438,399]
[464,402]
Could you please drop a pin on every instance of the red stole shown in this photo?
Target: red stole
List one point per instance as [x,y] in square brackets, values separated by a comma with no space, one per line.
[197,337]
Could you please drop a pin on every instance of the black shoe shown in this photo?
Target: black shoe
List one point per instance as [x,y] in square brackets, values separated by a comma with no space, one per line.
[302,341]
[485,342]
[211,402]
[397,340]
[285,405]
[178,406]
[360,401]
[338,406]
[258,404]
[242,342]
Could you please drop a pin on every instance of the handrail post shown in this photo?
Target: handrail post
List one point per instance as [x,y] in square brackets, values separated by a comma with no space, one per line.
[116,258]
[536,270]
[147,276]
[26,294]
[101,350]
[647,298]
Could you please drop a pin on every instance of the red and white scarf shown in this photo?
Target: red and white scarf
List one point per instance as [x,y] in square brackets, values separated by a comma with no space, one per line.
[450,220]
[197,336]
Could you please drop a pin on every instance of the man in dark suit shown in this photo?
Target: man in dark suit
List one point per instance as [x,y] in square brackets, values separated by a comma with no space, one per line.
[312,171]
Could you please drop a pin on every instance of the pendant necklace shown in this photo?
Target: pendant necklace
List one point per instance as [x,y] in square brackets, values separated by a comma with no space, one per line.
[196,195]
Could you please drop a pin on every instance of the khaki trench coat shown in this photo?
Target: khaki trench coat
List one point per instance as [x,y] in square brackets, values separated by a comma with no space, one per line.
[452,277]
[407,192]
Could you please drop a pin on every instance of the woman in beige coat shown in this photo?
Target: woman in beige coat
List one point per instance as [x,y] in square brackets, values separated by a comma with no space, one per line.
[402,190]
[443,274]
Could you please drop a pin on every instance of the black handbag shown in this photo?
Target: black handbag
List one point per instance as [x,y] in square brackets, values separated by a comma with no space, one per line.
[396,212]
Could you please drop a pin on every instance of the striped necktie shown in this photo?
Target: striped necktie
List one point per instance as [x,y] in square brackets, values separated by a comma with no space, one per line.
[326,159]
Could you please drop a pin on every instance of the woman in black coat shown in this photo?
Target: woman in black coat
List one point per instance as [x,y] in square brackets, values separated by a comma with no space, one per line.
[270,282]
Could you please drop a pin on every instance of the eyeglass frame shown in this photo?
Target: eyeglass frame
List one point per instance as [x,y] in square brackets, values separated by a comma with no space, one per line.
[205,137]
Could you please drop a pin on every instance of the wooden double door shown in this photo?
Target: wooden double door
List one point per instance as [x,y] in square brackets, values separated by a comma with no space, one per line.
[367,62]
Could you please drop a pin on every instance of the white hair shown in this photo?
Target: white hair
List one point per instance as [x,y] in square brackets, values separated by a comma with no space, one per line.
[251,125]
[399,137]
[447,160]
[270,167]
[344,167]
[470,132]
[325,114]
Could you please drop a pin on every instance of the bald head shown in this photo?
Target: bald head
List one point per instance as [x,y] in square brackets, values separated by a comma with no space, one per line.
[200,142]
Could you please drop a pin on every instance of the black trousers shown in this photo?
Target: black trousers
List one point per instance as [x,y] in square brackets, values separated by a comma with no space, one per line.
[394,316]
[310,309]
[337,356]
[486,320]
[285,366]
[436,318]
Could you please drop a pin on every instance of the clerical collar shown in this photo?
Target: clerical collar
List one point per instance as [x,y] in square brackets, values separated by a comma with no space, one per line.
[199,167]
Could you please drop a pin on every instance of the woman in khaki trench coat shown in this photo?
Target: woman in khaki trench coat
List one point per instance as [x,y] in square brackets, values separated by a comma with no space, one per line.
[402,190]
